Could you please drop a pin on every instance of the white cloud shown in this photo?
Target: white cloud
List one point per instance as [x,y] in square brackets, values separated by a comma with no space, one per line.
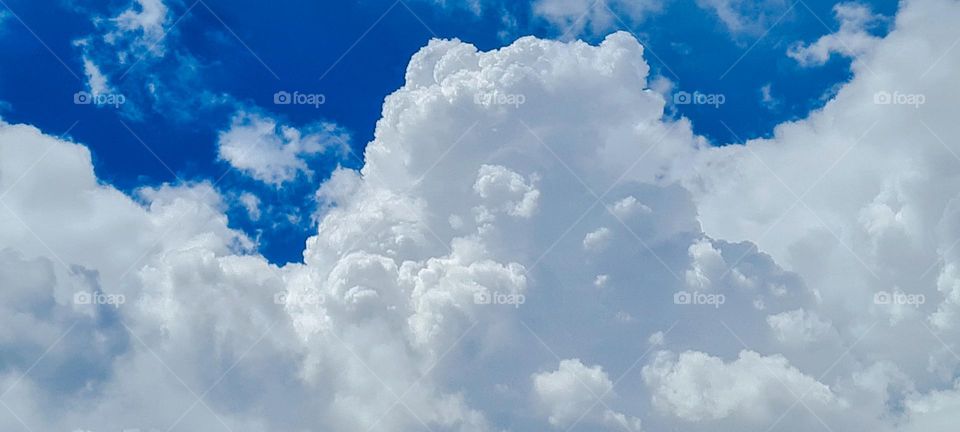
[141,27]
[767,98]
[629,207]
[96,81]
[936,411]
[572,18]
[389,286]
[575,394]
[798,327]
[698,387]
[742,17]
[597,240]
[461,208]
[274,153]
[851,40]
[130,42]
[507,191]
[251,204]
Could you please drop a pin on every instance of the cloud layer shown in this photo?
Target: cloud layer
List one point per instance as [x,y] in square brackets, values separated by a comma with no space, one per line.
[529,245]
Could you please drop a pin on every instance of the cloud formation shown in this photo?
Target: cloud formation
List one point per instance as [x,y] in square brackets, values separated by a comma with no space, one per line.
[851,40]
[576,17]
[274,153]
[525,266]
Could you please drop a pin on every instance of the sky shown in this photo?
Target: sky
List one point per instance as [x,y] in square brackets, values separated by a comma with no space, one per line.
[479,215]
[192,66]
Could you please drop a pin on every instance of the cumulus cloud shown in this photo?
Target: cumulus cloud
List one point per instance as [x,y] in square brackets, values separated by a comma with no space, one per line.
[506,191]
[274,153]
[851,40]
[798,327]
[448,287]
[861,216]
[573,392]
[698,387]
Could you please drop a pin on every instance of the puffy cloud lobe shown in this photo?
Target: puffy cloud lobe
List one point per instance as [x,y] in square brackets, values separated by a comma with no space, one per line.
[574,394]
[697,387]
[597,240]
[798,327]
[506,191]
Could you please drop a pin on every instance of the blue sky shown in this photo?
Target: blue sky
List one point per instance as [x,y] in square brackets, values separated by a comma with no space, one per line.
[222,55]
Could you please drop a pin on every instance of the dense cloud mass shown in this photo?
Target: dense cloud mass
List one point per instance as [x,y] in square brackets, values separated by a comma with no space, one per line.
[530,245]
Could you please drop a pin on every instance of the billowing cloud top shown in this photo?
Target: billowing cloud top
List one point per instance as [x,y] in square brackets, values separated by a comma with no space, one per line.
[529,246]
